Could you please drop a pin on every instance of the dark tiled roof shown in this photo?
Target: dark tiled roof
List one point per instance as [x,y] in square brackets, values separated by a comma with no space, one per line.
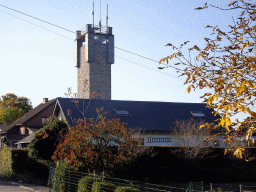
[15,137]
[27,139]
[149,116]
[33,129]
[3,128]
[13,128]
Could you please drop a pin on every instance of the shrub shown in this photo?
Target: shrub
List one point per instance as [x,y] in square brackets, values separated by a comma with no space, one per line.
[19,160]
[60,177]
[44,143]
[5,163]
[126,189]
[85,184]
[217,190]
[103,186]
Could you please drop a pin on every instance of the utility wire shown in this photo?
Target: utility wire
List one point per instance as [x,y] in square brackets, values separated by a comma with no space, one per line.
[115,47]
[72,39]
[149,68]
[37,18]
[36,25]
[75,32]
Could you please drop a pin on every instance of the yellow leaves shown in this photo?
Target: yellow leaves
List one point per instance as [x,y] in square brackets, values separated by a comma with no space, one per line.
[210,100]
[207,125]
[252,58]
[245,89]
[201,126]
[222,122]
[200,83]
[250,84]
[214,27]
[215,97]
[232,3]
[197,57]
[244,45]
[225,121]
[228,123]
[225,152]
[241,88]
[234,60]
[228,69]
[188,74]
[204,7]
[164,60]
[189,88]
[243,108]
[174,55]
[238,152]
[249,133]
[252,113]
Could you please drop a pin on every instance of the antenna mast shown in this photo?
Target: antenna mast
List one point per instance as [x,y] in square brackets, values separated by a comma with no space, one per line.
[100,16]
[93,15]
[107,18]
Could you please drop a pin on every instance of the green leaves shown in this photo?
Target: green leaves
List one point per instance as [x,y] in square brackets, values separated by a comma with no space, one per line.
[10,114]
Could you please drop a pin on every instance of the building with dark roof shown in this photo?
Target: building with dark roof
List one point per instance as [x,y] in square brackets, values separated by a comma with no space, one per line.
[27,124]
[155,119]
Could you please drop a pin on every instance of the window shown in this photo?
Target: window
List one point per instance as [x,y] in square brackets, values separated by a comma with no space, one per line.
[122,112]
[197,113]
[157,140]
[45,120]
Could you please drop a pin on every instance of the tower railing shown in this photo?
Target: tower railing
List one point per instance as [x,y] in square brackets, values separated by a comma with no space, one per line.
[95,29]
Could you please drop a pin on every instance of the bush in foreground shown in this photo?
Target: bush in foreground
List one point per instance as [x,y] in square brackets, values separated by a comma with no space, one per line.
[126,189]
[85,184]
[103,186]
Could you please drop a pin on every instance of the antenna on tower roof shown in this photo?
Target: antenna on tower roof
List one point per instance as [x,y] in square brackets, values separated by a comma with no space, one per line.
[107,18]
[93,14]
[100,17]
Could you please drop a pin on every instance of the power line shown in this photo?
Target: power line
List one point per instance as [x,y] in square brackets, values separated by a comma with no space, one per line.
[75,32]
[37,18]
[36,25]
[72,39]
[148,67]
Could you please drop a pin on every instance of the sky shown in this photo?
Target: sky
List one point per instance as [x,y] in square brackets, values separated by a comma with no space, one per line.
[37,60]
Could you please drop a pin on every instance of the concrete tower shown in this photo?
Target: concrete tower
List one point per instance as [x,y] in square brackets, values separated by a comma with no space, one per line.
[94,54]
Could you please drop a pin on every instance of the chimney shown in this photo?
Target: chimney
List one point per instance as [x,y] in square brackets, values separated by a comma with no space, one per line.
[45,100]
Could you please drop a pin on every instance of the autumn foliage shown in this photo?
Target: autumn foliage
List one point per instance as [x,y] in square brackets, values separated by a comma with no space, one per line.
[225,67]
[98,144]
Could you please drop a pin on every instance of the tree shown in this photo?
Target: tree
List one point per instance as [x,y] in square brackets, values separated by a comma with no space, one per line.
[226,66]
[46,140]
[99,144]
[12,100]
[12,107]
[190,140]
[10,114]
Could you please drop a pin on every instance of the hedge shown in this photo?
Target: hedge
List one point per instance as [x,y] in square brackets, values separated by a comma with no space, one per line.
[59,178]
[103,186]
[126,189]
[85,184]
